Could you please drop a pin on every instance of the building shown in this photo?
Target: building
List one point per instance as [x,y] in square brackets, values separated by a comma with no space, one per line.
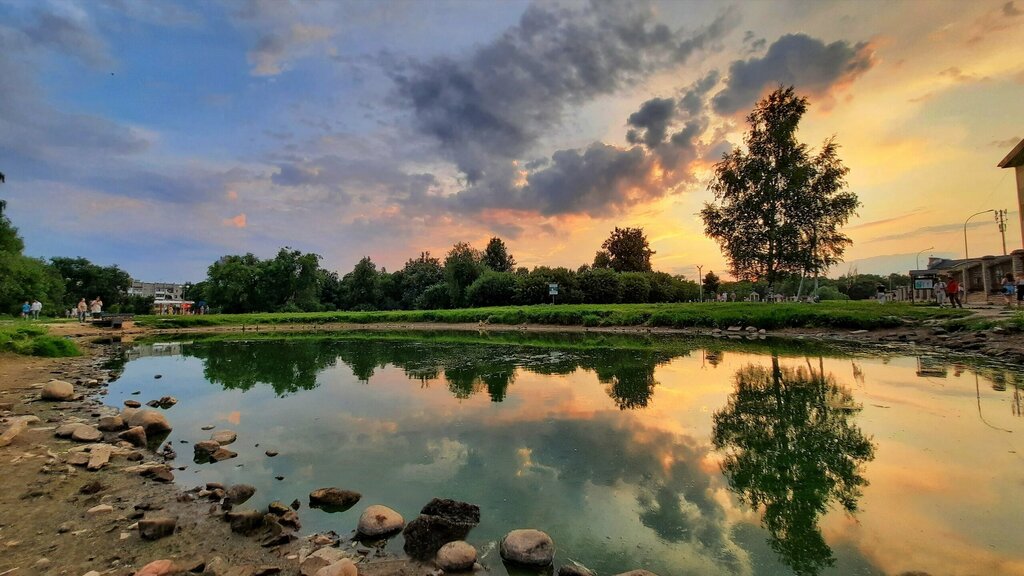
[1015,160]
[157,290]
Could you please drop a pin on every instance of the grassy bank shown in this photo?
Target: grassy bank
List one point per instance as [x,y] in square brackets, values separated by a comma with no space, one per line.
[33,340]
[844,315]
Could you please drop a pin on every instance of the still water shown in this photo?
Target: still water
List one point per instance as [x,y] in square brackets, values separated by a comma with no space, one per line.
[679,456]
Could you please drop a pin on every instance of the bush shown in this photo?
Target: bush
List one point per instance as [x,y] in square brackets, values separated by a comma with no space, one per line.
[636,288]
[601,286]
[492,289]
[436,297]
[831,293]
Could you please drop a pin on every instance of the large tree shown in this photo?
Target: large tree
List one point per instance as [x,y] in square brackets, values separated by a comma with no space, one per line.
[778,208]
[461,268]
[627,251]
[496,256]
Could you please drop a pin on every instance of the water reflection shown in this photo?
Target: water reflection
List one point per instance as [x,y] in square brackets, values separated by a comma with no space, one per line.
[792,451]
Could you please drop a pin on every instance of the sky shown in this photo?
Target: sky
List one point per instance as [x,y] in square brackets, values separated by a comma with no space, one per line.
[160,136]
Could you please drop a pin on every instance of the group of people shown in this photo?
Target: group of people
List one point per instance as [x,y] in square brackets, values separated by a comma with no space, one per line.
[1013,289]
[31,310]
[948,291]
[83,310]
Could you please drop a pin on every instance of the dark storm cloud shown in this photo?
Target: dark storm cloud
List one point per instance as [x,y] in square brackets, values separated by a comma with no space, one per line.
[650,123]
[494,104]
[794,59]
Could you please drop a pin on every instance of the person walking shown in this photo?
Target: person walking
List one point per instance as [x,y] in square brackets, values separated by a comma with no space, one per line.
[939,287]
[82,308]
[953,293]
[36,308]
[1009,289]
[26,308]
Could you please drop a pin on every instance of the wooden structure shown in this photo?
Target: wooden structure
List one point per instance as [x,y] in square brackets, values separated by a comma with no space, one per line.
[116,321]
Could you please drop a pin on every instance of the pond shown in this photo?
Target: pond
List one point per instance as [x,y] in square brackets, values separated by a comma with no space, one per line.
[678,456]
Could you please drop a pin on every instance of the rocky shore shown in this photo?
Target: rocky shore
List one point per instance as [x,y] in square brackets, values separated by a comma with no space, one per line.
[90,492]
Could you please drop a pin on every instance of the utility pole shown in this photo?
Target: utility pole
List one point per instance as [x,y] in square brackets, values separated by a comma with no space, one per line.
[700,281]
[1001,221]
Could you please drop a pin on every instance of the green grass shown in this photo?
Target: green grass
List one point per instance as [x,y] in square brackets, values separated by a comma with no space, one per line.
[33,340]
[839,315]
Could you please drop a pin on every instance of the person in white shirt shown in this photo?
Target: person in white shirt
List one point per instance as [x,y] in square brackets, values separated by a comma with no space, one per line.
[940,291]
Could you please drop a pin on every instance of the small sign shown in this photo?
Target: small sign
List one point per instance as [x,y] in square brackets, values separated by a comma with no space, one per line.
[552,289]
[923,284]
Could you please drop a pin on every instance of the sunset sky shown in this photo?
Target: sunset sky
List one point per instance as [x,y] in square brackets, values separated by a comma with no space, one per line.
[159,136]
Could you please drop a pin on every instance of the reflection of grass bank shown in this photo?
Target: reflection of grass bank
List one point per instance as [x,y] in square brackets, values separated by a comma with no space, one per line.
[571,341]
[845,315]
[32,340]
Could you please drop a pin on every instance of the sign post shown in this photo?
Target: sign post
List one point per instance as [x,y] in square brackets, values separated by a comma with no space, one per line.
[553,291]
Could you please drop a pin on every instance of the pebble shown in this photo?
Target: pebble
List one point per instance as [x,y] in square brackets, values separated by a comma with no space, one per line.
[224,437]
[456,556]
[528,547]
[100,509]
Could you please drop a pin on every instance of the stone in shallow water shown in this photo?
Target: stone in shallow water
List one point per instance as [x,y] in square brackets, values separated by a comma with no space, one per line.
[152,422]
[333,499]
[111,423]
[136,436]
[224,437]
[239,493]
[574,570]
[441,521]
[528,547]
[378,521]
[456,556]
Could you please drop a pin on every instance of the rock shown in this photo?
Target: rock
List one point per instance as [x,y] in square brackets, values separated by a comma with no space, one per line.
[278,508]
[457,556]
[208,427]
[132,403]
[85,433]
[77,458]
[100,509]
[762,331]
[379,520]
[158,568]
[157,527]
[320,559]
[574,570]
[751,329]
[343,567]
[216,567]
[111,423]
[224,437]
[204,451]
[136,436]
[271,453]
[153,422]
[66,430]
[290,519]
[733,329]
[246,521]
[57,390]
[239,493]
[99,456]
[528,547]
[222,454]
[637,573]
[166,402]
[441,521]
[333,499]
[17,427]
[93,487]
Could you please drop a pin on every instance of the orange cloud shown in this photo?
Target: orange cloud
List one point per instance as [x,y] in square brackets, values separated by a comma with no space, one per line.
[235,222]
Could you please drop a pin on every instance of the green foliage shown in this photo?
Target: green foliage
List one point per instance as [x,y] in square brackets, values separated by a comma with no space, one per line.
[492,289]
[497,258]
[361,286]
[83,279]
[627,251]
[241,284]
[33,340]
[711,283]
[461,268]
[601,286]
[831,293]
[636,287]
[436,297]
[778,209]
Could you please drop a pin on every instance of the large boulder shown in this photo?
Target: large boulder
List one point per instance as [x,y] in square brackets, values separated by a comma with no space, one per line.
[224,437]
[239,493]
[57,390]
[441,521]
[86,433]
[379,521]
[136,436]
[153,422]
[333,499]
[458,556]
[528,547]
[111,423]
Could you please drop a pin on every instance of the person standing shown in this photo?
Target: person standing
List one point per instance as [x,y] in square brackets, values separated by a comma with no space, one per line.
[939,287]
[25,309]
[1009,288]
[96,307]
[953,293]
[36,308]
[82,308]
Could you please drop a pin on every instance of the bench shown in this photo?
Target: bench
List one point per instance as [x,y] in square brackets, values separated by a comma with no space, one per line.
[112,320]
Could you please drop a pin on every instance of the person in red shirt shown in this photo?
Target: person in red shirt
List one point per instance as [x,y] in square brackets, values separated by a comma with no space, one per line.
[953,293]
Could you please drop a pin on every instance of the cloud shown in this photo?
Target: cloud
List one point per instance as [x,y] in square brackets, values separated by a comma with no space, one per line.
[794,59]
[490,107]
[285,32]
[273,49]
[1007,143]
[238,221]
[957,75]
[650,122]
[1010,10]
[357,176]
[68,31]
[939,229]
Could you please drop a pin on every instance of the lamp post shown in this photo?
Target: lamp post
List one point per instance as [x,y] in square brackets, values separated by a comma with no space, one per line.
[917,259]
[700,281]
[966,257]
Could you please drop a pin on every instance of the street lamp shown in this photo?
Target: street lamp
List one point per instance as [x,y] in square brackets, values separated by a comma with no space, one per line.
[917,259]
[966,257]
[700,281]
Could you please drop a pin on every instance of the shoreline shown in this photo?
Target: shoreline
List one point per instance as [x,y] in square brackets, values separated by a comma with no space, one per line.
[56,521]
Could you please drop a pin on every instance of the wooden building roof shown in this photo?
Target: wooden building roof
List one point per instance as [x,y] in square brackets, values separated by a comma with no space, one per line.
[1015,157]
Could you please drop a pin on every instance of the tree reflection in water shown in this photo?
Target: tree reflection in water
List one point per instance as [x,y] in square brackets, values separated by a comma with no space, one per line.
[792,450]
